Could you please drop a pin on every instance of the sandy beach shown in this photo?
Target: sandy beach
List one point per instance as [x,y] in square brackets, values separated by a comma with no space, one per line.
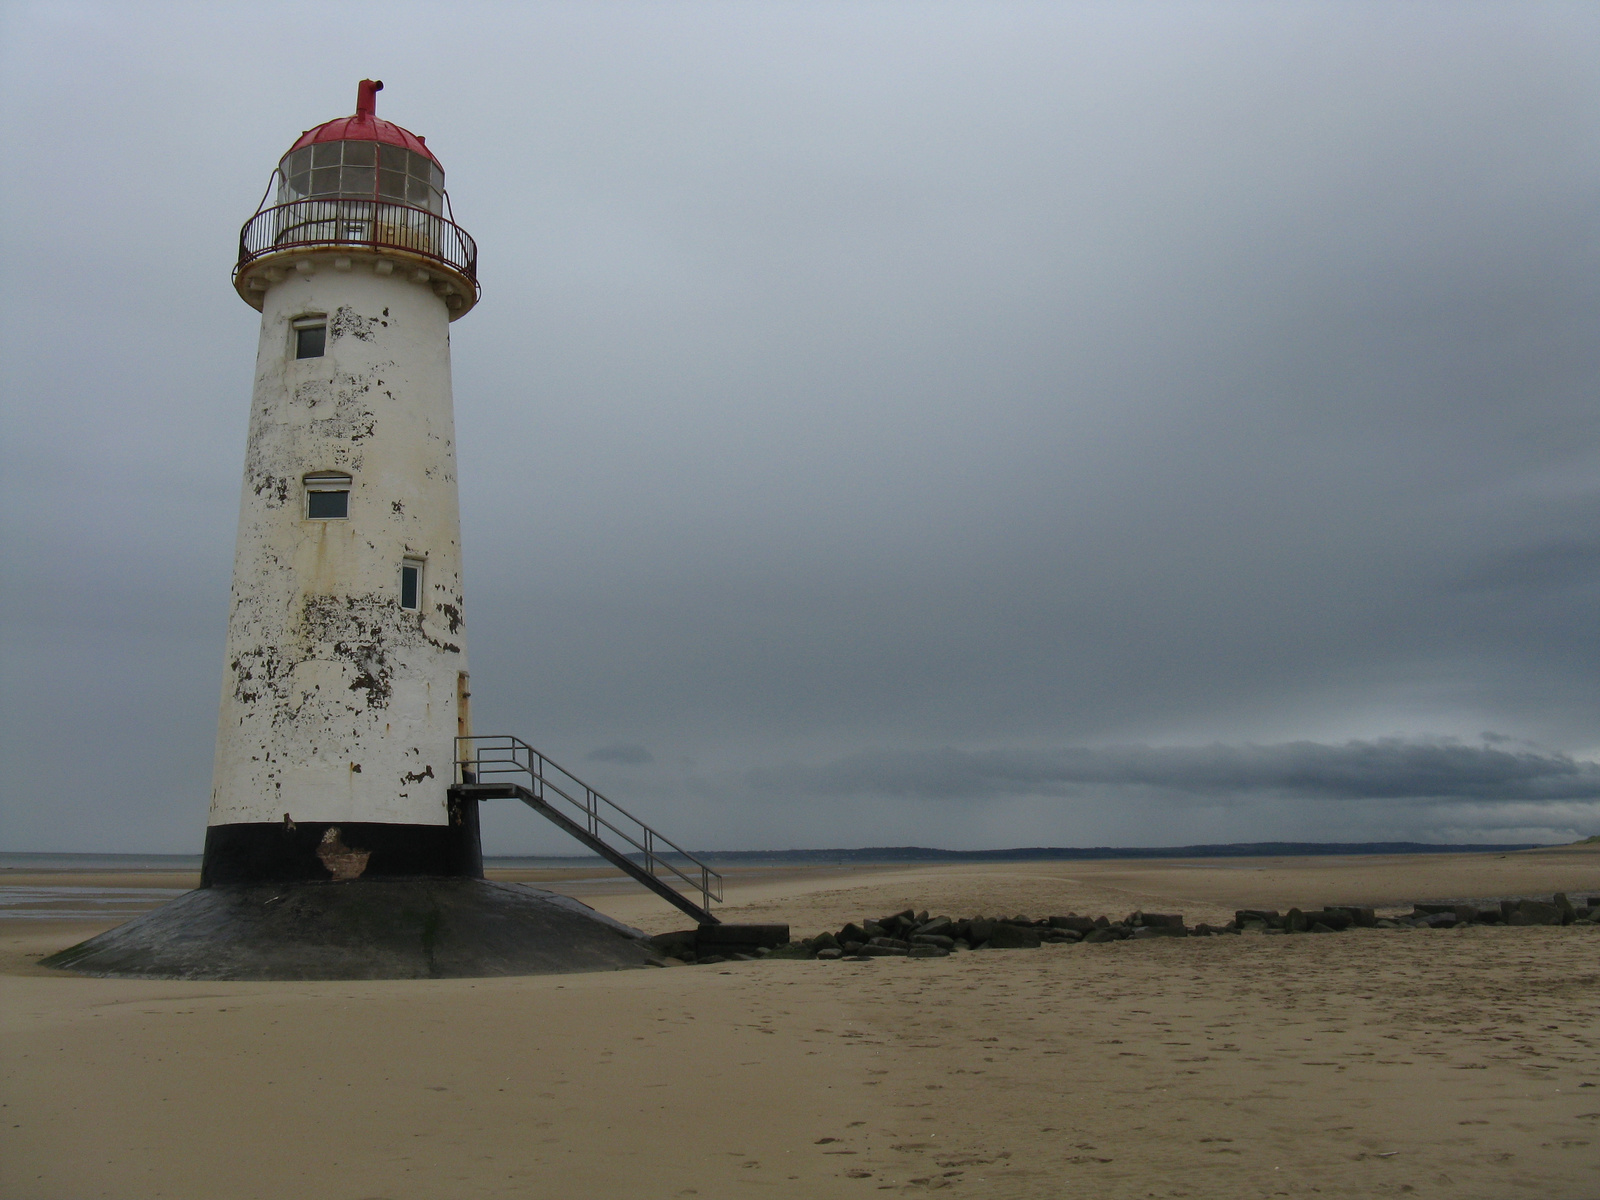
[1446,1063]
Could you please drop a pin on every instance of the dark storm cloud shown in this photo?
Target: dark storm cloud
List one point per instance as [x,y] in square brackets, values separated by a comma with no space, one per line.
[852,379]
[1388,769]
[1570,562]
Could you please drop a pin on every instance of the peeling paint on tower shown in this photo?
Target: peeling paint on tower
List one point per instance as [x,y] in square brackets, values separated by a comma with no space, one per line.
[325,668]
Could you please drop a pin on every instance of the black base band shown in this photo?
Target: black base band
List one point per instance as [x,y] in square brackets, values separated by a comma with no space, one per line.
[318,851]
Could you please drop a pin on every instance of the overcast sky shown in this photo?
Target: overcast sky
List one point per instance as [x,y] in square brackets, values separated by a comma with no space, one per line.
[968,425]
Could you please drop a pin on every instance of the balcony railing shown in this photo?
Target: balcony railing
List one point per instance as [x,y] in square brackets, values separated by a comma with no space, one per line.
[367,223]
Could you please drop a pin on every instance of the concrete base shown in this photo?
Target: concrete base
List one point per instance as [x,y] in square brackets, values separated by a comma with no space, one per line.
[379,929]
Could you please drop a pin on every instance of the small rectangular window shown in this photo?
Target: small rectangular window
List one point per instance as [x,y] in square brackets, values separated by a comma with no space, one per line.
[310,336]
[411,583]
[327,506]
[327,496]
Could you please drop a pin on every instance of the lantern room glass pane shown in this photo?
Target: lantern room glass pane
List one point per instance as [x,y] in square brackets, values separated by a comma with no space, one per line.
[359,181]
[324,181]
[325,154]
[436,177]
[360,154]
[392,185]
[391,158]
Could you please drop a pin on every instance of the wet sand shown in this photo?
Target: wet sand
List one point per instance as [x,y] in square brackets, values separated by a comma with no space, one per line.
[1373,1063]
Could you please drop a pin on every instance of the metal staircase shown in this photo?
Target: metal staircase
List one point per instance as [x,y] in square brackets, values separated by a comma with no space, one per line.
[506,768]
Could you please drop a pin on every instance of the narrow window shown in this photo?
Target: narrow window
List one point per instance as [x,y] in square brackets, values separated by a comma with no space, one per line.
[327,496]
[310,336]
[411,583]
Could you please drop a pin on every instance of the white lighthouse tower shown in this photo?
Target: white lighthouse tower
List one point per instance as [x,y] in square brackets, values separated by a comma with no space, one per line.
[343,839]
[345,682]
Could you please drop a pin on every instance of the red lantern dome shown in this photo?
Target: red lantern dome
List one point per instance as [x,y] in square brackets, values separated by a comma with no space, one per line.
[366,126]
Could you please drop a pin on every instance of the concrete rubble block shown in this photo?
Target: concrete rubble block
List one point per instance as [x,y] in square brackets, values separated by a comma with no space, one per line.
[1073,922]
[738,939]
[933,939]
[1108,934]
[1534,912]
[1014,937]
[928,952]
[1159,920]
[1266,918]
[1361,918]
[1335,919]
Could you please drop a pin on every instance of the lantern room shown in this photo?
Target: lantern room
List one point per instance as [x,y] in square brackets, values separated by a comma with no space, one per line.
[361,170]
[359,182]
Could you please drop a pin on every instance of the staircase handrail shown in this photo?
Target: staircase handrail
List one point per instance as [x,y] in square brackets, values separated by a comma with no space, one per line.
[512,756]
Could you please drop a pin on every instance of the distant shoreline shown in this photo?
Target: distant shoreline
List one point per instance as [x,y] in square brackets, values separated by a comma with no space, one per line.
[57,861]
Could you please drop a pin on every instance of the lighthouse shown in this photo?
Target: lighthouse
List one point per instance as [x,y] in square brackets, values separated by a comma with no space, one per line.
[342,840]
[345,678]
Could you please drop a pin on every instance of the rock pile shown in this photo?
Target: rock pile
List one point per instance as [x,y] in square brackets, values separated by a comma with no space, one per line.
[1557,911]
[912,934]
